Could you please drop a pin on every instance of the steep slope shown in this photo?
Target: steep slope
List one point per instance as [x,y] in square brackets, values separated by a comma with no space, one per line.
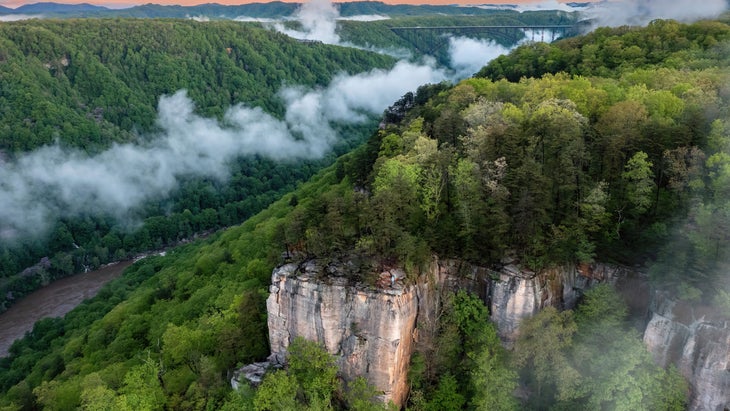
[106,76]
[80,86]
[697,340]
[374,330]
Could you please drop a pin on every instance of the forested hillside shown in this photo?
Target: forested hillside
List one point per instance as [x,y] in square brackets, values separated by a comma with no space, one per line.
[628,166]
[609,52]
[91,82]
[87,84]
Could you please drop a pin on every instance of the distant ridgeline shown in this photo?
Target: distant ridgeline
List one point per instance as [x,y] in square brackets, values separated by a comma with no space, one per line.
[274,9]
[375,34]
[624,160]
[86,84]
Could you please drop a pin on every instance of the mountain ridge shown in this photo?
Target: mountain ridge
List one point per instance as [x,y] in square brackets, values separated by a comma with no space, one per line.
[258,10]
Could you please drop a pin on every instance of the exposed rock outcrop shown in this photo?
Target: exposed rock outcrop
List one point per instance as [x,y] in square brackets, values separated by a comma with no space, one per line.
[371,329]
[251,374]
[698,343]
[517,294]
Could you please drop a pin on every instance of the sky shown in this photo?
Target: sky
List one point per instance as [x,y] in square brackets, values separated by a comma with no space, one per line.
[117,3]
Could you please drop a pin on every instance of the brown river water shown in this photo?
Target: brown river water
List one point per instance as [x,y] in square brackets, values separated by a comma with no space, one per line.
[53,300]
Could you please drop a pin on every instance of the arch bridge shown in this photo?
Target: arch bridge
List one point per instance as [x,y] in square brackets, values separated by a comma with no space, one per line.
[429,39]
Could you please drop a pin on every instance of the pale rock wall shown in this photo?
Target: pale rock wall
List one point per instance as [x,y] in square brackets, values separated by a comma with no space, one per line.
[368,330]
[698,342]
[517,294]
[372,330]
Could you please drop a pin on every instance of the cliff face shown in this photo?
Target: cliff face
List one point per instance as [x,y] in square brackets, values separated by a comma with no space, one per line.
[369,330]
[372,329]
[698,343]
[518,294]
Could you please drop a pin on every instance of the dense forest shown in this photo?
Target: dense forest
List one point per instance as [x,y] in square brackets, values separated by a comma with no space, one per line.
[555,154]
[89,84]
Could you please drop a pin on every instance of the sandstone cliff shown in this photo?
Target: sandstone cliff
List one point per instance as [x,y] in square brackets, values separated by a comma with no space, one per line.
[371,329]
[698,343]
[517,294]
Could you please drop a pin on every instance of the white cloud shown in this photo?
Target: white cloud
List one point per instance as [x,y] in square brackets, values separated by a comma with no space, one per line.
[18,17]
[639,13]
[469,55]
[319,22]
[53,181]
[257,19]
[365,17]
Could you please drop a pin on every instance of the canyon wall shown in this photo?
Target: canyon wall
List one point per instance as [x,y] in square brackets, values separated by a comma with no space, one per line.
[698,341]
[372,328]
[517,294]
[369,329]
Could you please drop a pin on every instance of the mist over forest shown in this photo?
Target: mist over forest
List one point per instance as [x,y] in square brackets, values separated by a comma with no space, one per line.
[319,135]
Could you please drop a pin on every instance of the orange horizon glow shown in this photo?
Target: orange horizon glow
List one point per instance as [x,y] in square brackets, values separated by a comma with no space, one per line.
[132,3]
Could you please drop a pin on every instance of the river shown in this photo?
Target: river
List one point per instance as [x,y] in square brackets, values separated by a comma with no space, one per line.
[53,300]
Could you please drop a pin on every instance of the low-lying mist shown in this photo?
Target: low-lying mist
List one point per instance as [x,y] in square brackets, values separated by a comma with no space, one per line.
[640,13]
[318,22]
[54,181]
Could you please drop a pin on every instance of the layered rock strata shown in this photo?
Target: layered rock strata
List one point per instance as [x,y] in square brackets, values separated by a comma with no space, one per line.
[372,329]
[368,329]
[697,340]
[517,294]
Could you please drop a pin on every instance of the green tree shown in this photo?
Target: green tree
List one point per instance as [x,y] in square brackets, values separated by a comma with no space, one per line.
[540,350]
[616,371]
[447,396]
[492,382]
[315,371]
[361,396]
[639,180]
[277,392]
[141,389]
[96,395]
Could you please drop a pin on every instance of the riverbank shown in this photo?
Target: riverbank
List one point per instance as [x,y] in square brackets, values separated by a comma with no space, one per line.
[54,300]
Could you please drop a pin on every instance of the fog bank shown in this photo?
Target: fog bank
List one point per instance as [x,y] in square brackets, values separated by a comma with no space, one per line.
[55,182]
